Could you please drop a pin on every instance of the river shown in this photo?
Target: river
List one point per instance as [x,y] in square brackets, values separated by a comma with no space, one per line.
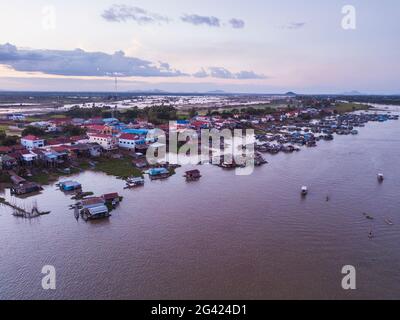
[225,236]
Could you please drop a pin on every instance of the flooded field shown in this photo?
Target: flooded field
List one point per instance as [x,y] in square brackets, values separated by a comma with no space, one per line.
[225,236]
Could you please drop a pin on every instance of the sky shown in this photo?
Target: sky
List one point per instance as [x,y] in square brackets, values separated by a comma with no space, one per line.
[253,46]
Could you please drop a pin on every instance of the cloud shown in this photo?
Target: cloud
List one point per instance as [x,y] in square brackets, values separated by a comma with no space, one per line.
[249,75]
[124,13]
[81,63]
[201,20]
[237,23]
[293,25]
[201,74]
[223,73]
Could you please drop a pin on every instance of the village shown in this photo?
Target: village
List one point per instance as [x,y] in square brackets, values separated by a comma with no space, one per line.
[48,149]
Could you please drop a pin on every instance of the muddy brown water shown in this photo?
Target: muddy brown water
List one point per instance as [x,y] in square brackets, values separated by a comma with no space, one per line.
[225,236]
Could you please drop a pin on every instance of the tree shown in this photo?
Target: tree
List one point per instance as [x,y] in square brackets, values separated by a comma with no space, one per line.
[9,141]
[71,130]
[193,112]
[160,114]
[131,113]
[33,130]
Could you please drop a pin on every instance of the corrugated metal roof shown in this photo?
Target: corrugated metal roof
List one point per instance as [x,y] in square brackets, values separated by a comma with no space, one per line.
[94,211]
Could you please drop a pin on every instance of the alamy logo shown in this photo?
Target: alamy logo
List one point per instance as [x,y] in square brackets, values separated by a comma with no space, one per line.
[49,18]
[349,21]
[49,280]
[207,146]
[349,280]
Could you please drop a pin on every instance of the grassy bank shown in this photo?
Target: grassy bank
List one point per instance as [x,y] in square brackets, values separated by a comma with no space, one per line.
[46,178]
[121,168]
[345,107]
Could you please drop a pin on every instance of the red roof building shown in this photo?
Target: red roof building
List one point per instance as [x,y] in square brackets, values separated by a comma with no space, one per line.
[128,136]
[31,138]
[4,149]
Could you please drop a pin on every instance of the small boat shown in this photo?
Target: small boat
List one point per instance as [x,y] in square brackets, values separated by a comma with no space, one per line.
[371,235]
[368,216]
[304,190]
[76,213]
[381,177]
[389,222]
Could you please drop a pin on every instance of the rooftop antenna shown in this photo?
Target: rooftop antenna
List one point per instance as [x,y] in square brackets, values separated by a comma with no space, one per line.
[116,85]
[116,95]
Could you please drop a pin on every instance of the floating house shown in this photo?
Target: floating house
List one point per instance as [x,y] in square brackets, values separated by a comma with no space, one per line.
[94,208]
[94,213]
[70,186]
[134,182]
[111,198]
[158,173]
[21,186]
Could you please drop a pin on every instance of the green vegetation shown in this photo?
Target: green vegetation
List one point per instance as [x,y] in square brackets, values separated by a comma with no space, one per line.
[71,130]
[160,114]
[84,165]
[42,178]
[156,114]
[85,113]
[121,168]
[6,140]
[58,116]
[33,119]
[344,107]
[4,178]
[34,131]
[45,177]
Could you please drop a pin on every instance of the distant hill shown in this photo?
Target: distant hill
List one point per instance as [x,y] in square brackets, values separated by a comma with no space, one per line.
[352,93]
[290,93]
[216,92]
[156,91]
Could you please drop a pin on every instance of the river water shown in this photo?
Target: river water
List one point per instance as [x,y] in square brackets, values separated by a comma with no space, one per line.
[225,236]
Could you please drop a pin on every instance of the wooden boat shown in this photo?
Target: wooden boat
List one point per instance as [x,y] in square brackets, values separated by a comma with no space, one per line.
[368,216]
[192,175]
[371,235]
[389,222]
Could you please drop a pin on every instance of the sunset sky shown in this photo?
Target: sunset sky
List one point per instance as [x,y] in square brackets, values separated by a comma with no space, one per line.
[254,46]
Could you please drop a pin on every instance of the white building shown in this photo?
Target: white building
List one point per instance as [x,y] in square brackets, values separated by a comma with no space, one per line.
[127,141]
[106,141]
[17,117]
[31,142]
[29,157]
